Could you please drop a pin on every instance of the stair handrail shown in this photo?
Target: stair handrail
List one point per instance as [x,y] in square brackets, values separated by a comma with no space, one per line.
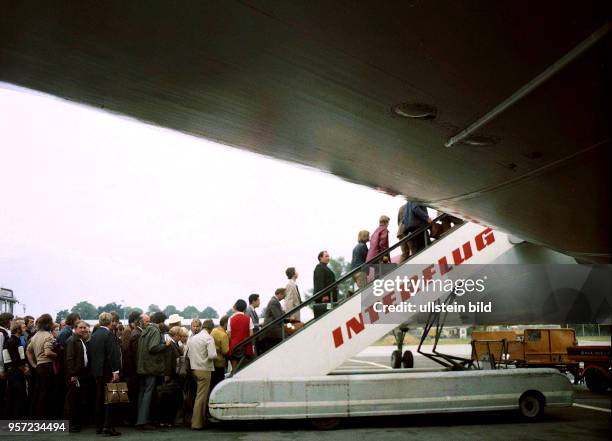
[266,328]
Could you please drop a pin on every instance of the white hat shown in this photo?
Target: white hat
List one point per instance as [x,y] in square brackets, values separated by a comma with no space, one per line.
[175,318]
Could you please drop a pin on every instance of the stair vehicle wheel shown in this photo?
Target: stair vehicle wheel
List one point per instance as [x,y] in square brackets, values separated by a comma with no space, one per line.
[596,380]
[396,359]
[531,405]
[408,360]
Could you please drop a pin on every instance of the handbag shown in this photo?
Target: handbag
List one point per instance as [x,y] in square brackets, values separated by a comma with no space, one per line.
[116,393]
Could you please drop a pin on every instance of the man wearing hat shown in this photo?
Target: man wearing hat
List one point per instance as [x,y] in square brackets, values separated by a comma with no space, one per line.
[173,320]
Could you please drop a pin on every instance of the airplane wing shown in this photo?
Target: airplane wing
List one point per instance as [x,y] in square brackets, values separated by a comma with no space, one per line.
[368,91]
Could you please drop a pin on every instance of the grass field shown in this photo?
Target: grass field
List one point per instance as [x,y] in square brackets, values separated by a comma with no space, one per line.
[595,338]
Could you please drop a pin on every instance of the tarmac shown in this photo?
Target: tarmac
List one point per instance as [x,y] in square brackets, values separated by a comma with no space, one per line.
[588,419]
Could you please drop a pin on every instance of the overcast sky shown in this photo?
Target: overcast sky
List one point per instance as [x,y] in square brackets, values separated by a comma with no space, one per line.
[98,207]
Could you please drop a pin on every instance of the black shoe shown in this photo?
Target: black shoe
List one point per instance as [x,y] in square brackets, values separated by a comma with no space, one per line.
[111,432]
[99,431]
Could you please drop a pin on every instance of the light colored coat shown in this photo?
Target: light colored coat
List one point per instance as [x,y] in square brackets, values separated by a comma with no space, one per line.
[292,299]
[201,351]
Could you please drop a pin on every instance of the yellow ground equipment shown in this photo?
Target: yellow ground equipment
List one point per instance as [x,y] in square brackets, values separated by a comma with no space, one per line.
[541,347]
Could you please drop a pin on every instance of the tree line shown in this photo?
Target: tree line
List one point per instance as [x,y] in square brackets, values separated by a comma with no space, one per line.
[88,311]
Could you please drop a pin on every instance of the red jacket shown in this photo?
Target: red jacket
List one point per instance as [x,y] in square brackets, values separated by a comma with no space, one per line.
[240,329]
[379,241]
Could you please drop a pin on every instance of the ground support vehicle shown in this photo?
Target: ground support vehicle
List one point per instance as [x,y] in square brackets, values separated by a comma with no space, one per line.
[391,393]
[539,347]
[597,365]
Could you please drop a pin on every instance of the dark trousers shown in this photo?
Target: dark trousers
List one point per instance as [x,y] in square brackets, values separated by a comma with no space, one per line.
[104,412]
[145,398]
[60,389]
[319,309]
[170,398]
[419,241]
[268,343]
[43,394]
[16,395]
[3,399]
[73,404]
[88,396]
[133,383]
[218,375]
[189,392]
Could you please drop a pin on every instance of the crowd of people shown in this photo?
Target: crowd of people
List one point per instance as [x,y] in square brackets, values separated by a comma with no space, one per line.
[169,369]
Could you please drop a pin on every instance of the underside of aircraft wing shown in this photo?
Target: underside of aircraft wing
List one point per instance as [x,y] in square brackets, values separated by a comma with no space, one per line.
[368,91]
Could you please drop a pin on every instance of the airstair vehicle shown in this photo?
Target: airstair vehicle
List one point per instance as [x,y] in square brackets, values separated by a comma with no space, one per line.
[295,378]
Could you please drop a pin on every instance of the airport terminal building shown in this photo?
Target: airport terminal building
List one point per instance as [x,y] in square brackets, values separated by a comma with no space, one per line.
[7,300]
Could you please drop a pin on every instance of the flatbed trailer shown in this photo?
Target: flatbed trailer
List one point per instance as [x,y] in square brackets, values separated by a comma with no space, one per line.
[396,392]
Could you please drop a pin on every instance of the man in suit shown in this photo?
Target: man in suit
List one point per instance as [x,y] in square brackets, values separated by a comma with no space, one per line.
[274,310]
[292,294]
[322,278]
[76,366]
[251,310]
[415,216]
[105,365]
[60,347]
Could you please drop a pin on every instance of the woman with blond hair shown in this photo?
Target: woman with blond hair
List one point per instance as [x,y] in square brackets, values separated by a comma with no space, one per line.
[360,253]
[183,337]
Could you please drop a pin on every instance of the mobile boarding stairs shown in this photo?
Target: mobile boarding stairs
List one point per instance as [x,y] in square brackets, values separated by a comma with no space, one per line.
[291,380]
